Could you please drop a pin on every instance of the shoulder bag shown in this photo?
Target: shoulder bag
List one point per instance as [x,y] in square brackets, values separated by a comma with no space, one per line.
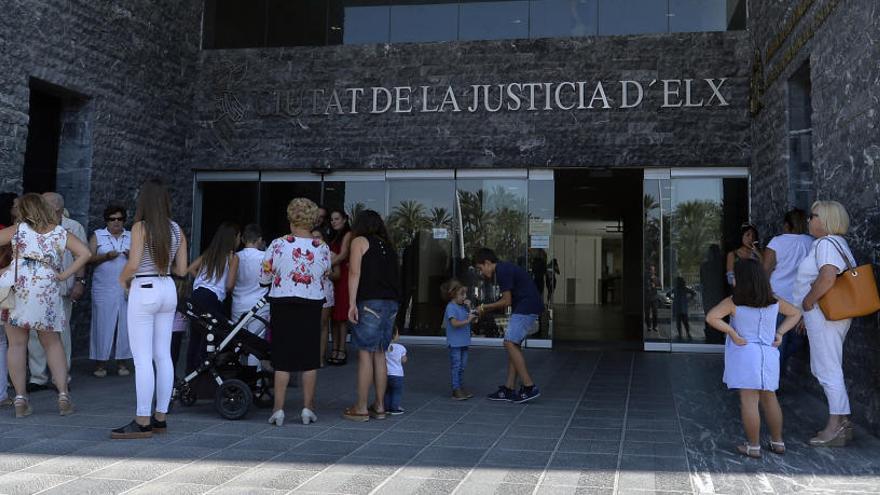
[7,285]
[854,292]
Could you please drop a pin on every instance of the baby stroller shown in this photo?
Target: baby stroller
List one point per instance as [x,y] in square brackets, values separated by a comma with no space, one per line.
[222,373]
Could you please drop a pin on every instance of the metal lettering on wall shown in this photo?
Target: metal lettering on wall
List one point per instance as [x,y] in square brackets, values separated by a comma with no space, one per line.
[529,96]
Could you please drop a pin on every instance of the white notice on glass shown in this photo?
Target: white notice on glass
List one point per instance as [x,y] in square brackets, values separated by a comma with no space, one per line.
[540,226]
[440,233]
[540,241]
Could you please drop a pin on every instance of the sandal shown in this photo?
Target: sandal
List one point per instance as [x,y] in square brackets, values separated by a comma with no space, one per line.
[777,448]
[342,358]
[753,451]
[22,406]
[65,405]
[376,414]
[332,359]
[352,415]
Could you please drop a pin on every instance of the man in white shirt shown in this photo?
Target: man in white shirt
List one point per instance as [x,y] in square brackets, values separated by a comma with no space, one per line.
[72,290]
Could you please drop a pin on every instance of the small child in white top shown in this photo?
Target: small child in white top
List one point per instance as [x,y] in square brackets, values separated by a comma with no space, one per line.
[395,358]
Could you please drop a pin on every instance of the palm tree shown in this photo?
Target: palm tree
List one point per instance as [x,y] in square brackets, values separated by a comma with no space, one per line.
[696,224]
[406,219]
[354,210]
[440,217]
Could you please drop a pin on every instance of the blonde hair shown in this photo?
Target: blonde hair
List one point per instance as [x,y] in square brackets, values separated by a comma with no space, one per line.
[833,217]
[302,212]
[35,211]
[449,288]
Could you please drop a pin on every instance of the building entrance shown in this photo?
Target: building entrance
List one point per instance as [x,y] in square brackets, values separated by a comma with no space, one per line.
[597,238]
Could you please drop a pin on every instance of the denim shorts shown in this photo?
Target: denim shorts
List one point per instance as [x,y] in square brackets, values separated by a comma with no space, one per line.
[375,324]
[520,327]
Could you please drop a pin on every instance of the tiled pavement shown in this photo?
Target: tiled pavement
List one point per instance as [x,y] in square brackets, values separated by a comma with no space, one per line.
[608,422]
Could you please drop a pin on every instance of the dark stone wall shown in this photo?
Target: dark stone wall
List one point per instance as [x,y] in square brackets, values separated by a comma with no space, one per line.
[842,52]
[249,113]
[125,70]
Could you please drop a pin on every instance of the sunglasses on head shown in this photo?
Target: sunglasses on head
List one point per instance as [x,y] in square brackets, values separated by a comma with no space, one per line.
[812,216]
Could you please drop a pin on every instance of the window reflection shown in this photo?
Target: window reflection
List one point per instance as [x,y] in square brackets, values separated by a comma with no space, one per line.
[697,15]
[493,20]
[424,22]
[362,21]
[562,18]
[632,17]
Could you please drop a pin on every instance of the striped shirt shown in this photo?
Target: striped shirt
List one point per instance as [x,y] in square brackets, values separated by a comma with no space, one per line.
[148,266]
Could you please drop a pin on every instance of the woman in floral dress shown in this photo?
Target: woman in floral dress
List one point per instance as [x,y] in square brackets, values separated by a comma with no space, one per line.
[294,267]
[38,244]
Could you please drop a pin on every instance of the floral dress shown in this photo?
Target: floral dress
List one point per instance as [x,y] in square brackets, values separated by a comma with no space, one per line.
[38,304]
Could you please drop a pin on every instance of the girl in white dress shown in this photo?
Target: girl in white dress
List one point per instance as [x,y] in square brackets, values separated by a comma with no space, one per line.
[38,245]
[110,247]
[751,357]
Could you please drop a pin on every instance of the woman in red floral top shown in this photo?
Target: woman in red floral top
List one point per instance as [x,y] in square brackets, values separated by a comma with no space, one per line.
[294,268]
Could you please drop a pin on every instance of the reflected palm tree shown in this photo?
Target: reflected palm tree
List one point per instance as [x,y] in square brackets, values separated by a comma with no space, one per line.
[354,209]
[406,219]
[697,224]
[440,217]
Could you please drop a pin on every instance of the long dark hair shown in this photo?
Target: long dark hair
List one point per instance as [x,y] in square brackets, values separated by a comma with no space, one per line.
[338,235]
[154,210]
[223,244]
[752,285]
[369,222]
[7,199]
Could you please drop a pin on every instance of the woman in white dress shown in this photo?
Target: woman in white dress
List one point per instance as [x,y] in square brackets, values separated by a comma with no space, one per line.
[38,245]
[110,247]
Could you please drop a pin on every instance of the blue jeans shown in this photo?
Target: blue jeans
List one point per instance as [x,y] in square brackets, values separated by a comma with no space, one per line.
[375,324]
[393,393]
[457,363]
[791,344]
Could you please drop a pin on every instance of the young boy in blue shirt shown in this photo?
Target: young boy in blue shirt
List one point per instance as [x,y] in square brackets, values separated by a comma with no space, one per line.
[518,291]
[457,321]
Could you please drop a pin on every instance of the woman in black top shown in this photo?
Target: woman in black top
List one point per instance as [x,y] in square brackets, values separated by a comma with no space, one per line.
[374,291]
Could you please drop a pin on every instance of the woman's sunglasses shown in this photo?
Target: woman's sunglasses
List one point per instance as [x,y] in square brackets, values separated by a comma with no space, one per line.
[114,219]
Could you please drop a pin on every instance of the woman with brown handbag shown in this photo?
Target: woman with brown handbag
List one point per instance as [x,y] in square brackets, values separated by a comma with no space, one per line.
[828,221]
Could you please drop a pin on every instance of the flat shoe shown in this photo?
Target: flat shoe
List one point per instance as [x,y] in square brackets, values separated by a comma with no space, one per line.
[753,451]
[352,415]
[131,431]
[777,448]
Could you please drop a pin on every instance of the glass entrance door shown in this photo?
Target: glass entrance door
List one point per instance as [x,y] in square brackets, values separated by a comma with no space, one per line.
[692,218]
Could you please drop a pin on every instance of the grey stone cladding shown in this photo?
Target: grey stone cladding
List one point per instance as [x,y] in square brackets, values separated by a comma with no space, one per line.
[130,65]
[845,76]
[259,108]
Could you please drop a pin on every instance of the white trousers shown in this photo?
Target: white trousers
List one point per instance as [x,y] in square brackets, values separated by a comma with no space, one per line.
[109,315]
[4,370]
[151,305]
[826,357]
[37,364]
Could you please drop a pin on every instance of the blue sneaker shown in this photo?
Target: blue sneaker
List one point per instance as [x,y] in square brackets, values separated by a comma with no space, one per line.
[503,394]
[526,394]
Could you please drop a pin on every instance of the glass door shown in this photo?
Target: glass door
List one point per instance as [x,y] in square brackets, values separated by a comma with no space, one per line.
[276,191]
[211,205]
[692,218]
[420,223]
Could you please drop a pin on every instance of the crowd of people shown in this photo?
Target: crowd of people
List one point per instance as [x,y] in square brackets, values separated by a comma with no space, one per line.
[326,278]
[775,298]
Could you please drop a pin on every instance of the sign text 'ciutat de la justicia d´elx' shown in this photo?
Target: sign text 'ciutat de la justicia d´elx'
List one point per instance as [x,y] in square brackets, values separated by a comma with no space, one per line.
[511,97]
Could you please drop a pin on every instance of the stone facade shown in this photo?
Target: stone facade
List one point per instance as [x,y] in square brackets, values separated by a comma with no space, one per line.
[838,39]
[256,109]
[125,71]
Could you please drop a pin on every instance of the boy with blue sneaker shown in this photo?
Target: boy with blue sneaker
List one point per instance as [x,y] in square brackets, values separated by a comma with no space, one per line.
[518,291]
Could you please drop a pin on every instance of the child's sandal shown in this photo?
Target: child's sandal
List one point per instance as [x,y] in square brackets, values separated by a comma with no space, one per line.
[777,448]
[753,451]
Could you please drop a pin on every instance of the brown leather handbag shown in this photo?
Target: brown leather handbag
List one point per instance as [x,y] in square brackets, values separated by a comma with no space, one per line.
[854,292]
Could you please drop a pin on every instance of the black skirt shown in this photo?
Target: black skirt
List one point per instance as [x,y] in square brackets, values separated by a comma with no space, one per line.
[296,333]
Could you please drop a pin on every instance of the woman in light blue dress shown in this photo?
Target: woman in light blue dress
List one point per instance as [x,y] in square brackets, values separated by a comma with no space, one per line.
[751,357]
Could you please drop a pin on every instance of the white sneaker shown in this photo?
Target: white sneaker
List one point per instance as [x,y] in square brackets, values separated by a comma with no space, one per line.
[277,418]
[124,371]
[308,416]
[100,372]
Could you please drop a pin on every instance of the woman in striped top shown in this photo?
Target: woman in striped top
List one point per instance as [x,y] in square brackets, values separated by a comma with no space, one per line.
[158,248]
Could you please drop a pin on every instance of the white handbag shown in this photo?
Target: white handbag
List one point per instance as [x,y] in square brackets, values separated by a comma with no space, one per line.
[7,280]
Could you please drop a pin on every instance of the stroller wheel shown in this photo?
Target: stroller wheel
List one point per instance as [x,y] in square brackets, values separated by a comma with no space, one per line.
[233,399]
[187,395]
[264,396]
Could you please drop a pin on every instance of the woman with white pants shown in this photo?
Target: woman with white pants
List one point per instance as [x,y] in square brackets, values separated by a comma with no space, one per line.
[158,247]
[828,222]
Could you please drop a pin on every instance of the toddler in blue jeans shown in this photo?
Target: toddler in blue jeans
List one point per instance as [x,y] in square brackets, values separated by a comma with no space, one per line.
[395,358]
[457,322]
